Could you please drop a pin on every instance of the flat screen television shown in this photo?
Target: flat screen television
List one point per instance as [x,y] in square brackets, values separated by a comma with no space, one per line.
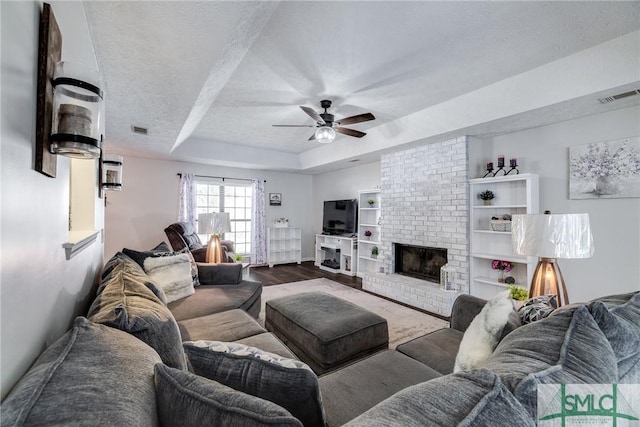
[340,217]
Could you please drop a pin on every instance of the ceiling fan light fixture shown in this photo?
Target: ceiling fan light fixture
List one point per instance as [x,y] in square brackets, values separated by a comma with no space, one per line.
[325,134]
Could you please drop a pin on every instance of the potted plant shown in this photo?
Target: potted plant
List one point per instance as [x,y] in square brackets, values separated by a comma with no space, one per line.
[371,202]
[487,196]
[502,266]
[238,257]
[367,234]
[374,252]
[519,294]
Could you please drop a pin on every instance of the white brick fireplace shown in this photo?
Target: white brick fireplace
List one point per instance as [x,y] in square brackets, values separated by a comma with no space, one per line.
[425,202]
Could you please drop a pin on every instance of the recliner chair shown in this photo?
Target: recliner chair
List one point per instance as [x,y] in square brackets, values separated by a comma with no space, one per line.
[183,235]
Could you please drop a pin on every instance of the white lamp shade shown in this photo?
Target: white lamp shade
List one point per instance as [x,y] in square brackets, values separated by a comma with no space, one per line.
[214,223]
[552,236]
[325,134]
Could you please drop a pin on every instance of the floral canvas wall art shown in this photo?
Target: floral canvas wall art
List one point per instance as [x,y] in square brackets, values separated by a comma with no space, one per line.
[608,169]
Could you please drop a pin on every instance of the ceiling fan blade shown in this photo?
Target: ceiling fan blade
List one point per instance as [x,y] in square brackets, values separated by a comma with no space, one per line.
[357,119]
[313,114]
[312,138]
[294,126]
[350,132]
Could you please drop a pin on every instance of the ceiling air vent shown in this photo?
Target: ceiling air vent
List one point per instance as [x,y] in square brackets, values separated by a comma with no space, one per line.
[139,130]
[612,98]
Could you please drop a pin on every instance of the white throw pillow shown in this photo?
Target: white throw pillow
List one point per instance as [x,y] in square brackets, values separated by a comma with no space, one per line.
[481,337]
[172,274]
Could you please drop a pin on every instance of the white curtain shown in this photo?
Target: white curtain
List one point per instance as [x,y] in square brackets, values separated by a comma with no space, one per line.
[187,208]
[258,224]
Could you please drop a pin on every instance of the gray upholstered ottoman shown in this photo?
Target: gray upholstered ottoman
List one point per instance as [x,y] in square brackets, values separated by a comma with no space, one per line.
[324,331]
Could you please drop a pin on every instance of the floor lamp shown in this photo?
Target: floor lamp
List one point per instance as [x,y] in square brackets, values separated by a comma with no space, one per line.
[550,237]
[215,224]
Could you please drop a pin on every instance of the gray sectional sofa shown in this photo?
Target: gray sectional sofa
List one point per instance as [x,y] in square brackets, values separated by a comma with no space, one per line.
[126,364]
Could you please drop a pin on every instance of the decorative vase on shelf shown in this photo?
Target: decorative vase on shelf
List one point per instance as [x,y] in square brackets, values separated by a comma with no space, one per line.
[501,276]
[488,202]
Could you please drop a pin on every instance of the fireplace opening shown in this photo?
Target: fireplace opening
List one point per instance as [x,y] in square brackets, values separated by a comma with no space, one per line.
[421,262]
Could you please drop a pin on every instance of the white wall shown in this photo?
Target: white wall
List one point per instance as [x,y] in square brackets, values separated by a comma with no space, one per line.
[342,184]
[615,223]
[137,216]
[41,292]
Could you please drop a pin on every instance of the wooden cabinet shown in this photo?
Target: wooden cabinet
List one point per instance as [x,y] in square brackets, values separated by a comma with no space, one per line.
[284,245]
[516,194]
[336,254]
[369,230]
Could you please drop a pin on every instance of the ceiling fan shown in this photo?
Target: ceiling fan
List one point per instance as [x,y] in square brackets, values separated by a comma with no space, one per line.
[327,126]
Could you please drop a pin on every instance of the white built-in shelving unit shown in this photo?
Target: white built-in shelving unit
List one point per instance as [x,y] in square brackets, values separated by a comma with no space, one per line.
[514,194]
[284,245]
[368,220]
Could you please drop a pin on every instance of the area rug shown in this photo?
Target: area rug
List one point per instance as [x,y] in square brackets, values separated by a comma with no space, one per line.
[404,323]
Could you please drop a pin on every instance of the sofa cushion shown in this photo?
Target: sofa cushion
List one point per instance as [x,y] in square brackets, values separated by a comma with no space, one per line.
[287,382]
[93,375]
[483,334]
[268,342]
[209,299]
[117,259]
[567,347]
[620,325]
[185,399]
[126,303]
[140,257]
[615,300]
[231,325]
[437,349]
[353,389]
[470,398]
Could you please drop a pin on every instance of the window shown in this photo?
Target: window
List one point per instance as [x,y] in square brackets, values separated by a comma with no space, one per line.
[234,199]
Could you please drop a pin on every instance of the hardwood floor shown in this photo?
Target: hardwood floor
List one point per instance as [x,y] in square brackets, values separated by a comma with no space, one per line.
[285,273]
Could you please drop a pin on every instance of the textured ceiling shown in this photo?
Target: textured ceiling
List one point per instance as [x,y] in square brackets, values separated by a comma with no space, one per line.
[207,77]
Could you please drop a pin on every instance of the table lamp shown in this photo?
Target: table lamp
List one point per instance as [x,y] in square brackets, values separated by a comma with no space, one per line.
[550,237]
[215,224]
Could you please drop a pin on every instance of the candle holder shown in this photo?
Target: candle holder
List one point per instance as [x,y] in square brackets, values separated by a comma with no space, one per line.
[489,173]
[514,167]
[500,168]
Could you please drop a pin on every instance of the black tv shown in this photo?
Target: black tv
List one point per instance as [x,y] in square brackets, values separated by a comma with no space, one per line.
[340,217]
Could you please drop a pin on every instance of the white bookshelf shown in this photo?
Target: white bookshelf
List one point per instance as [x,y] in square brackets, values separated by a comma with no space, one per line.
[514,194]
[369,220]
[284,245]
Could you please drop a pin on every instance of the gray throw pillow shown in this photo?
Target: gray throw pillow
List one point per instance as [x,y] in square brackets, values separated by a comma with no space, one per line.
[220,274]
[172,274]
[141,256]
[564,348]
[537,308]
[161,247]
[92,376]
[287,382]
[185,399]
[469,398]
[621,326]
[126,303]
